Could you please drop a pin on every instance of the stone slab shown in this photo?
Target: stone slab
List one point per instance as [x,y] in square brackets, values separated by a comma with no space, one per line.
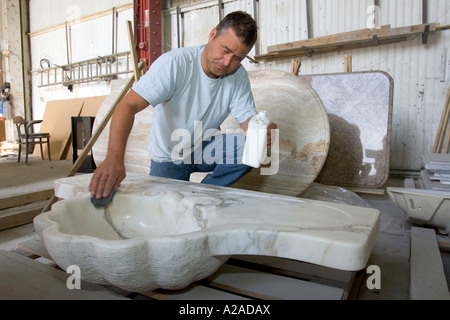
[359,106]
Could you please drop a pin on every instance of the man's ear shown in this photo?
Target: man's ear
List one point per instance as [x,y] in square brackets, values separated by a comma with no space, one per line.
[212,34]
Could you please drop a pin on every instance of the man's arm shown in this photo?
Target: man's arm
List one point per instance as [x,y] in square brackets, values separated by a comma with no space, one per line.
[111,172]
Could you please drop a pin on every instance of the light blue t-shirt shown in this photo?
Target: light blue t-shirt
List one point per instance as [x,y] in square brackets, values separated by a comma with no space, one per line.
[183,96]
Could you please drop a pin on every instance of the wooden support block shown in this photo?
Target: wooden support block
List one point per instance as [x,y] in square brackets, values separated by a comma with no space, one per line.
[22,278]
[260,285]
[447,107]
[367,190]
[428,280]
[348,63]
[13,217]
[295,67]
[25,199]
[35,246]
[442,125]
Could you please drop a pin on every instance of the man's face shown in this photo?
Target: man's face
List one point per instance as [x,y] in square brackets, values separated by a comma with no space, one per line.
[223,54]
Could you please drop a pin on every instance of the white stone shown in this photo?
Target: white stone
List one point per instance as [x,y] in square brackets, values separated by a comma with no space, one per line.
[178,232]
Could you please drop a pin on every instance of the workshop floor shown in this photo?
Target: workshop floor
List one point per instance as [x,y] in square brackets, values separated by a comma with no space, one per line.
[391,252]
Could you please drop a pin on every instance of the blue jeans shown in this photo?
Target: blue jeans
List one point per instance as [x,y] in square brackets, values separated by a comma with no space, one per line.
[222,156]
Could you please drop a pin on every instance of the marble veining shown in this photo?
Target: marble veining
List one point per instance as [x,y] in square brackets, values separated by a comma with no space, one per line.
[177,232]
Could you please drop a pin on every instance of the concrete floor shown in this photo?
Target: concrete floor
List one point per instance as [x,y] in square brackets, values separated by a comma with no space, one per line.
[391,252]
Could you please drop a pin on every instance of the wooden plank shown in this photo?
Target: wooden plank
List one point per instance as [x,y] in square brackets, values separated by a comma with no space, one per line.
[35,246]
[293,53]
[13,217]
[1,72]
[447,140]
[194,291]
[442,126]
[346,41]
[296,269]
[22,278]
[443,242]
[260,285]
[91,106]
[428,280]
[2,130]
[353,37]
[367,190]
[25,199]
[57,122]
[299,270]
[218,290]
[348,63]
[295,67]
[133,51]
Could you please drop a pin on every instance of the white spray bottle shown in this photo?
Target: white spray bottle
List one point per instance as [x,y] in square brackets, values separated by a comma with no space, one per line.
[255,151]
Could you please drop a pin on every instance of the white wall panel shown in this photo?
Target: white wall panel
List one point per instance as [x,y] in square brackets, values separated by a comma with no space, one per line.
[88,40]
[48,13]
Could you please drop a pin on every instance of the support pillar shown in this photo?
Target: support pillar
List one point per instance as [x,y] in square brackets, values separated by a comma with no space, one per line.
[148,30]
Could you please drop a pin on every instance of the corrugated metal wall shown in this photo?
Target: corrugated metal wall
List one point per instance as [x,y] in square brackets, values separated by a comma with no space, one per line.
[420,79]
[48,13]
[89,39]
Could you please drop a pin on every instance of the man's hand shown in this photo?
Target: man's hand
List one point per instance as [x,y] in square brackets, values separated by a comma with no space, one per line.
[273,126]
[107,176]
[111,172]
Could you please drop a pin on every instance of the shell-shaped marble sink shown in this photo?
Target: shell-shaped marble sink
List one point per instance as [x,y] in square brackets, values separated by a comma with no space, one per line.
[162,233]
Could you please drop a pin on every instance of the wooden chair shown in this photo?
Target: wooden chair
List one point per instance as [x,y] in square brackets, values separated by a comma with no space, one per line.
[27,138]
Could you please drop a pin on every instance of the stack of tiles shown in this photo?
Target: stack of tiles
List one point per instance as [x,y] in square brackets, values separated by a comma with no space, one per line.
[436,172]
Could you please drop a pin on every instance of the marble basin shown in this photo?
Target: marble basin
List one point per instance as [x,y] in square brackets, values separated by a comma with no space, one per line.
[430,207]
[303,139]
[164,233]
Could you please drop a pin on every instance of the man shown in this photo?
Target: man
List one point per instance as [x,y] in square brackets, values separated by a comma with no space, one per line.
[192,90]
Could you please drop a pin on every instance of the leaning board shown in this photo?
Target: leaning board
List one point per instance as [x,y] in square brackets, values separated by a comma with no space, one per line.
[57,122]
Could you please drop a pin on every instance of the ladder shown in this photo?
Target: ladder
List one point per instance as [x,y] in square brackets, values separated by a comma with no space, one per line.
[102,68]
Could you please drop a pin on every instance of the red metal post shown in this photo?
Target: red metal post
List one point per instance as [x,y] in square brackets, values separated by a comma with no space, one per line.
[147,22]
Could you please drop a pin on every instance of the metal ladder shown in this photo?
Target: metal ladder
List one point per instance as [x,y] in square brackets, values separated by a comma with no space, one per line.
[102,68]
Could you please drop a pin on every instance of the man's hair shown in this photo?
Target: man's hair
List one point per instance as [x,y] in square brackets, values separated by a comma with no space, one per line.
[243,25]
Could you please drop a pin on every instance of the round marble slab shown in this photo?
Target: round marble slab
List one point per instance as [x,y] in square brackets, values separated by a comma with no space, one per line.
[303,136]
[304,133]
